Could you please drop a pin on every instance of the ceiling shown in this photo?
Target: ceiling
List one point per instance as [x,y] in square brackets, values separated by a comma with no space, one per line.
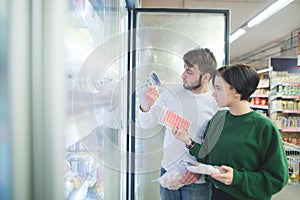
[260,42]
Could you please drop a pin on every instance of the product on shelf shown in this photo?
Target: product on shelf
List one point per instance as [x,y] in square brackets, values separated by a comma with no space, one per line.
[285,104]
[259,99]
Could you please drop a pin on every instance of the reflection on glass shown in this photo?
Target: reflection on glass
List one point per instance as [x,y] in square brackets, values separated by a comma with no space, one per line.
[179,31]
[162,39]
[93,138]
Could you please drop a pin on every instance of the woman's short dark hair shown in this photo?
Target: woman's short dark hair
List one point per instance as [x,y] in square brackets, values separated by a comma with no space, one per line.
[242,77]
[202,57]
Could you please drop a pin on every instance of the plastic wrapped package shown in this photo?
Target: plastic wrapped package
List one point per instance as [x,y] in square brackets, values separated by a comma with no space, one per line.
[172,178]
[200,168]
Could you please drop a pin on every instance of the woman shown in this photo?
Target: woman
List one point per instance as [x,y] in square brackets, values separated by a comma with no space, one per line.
[246,145]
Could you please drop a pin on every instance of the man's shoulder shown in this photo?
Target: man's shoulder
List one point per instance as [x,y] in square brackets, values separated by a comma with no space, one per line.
[176,87]
[173,89]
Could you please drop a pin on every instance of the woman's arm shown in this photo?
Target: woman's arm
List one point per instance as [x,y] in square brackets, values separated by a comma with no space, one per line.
[183,136]
[269,178]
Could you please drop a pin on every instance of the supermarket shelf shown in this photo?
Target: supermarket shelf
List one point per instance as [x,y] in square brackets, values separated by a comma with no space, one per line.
[290,130]
[282,96]
[286,111]
[273,85]
[291,147]
[291,84]
[80,192]
[290,97]
[291,111]
[263,86]
[259,106]
[260,96]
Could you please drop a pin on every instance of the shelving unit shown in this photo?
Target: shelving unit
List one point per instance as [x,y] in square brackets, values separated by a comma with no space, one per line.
[259,99]
[284,109]
[284,104]
[82,171]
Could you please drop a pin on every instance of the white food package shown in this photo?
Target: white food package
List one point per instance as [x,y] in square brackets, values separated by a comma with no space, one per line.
[172,178]
[200,168]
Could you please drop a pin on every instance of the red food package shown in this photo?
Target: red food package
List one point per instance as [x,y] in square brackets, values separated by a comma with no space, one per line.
[173,120]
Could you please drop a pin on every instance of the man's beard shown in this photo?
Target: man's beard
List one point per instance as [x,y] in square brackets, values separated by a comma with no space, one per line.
[193,87]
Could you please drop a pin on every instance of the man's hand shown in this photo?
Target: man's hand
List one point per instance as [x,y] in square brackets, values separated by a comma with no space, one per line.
[190,178]
[148,98]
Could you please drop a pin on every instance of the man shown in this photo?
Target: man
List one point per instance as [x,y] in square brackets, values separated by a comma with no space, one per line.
[194,102]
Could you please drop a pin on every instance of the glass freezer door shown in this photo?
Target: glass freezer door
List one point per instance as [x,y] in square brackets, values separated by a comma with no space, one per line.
[94,139]
[161,37]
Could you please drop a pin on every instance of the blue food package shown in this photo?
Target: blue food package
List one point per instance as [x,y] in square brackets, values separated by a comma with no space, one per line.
[154,79]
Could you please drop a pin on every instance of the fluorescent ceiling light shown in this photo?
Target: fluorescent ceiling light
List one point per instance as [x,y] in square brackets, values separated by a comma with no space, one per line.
[271,10]
[237,34]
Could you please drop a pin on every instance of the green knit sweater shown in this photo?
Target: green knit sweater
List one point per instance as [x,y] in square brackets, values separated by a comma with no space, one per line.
[252,146]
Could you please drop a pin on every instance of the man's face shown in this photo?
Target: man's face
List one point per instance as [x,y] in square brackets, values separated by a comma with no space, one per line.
[191,77]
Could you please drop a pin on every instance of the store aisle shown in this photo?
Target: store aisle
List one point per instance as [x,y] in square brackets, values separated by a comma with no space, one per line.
[290,192]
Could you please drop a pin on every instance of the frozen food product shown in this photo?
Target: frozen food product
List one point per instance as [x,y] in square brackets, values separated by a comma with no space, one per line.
[172,178]
[153,79]
[201,168]
[172,182]
[173,120]
[204,169]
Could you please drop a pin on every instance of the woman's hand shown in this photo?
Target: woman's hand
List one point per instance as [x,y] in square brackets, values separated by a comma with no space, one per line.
[182,135]
[226,177]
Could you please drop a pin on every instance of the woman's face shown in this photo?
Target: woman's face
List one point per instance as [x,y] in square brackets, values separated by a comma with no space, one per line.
[223,93]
